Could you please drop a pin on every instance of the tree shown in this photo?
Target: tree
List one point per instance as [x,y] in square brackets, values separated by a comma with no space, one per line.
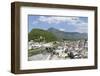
[40,35]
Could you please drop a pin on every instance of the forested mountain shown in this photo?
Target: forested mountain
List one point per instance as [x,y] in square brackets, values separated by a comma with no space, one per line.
[68,35]
[41,35]
[53,34]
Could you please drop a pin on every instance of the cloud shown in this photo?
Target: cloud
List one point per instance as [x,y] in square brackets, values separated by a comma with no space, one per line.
[35,22]
[57,20]
[82,28]
[80,23]
[61,29]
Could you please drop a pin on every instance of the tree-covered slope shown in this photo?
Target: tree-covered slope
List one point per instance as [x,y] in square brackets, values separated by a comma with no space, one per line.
[41,35]
[68,35]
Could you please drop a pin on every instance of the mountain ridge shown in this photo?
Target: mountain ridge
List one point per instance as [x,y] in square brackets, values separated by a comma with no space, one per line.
[67,35]
[52,34]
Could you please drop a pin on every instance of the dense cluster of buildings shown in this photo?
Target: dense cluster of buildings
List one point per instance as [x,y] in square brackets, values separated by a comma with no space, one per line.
[76,49]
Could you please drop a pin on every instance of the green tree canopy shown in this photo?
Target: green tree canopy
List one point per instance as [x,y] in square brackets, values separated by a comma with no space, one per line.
[41,35]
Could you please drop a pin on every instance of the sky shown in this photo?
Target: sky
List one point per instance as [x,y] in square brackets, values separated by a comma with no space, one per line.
[62,23]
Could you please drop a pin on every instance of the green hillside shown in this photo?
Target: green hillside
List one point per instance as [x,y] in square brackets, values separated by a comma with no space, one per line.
[40,35]
[61,35]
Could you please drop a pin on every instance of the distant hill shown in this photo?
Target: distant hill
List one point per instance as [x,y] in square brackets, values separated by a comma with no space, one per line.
[41,35]
[53,34]
[68,35]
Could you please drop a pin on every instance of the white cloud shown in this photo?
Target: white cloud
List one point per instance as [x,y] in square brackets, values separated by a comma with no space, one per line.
[35,22]
[57,20]
[61,29]
[82,28]
[80,25]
